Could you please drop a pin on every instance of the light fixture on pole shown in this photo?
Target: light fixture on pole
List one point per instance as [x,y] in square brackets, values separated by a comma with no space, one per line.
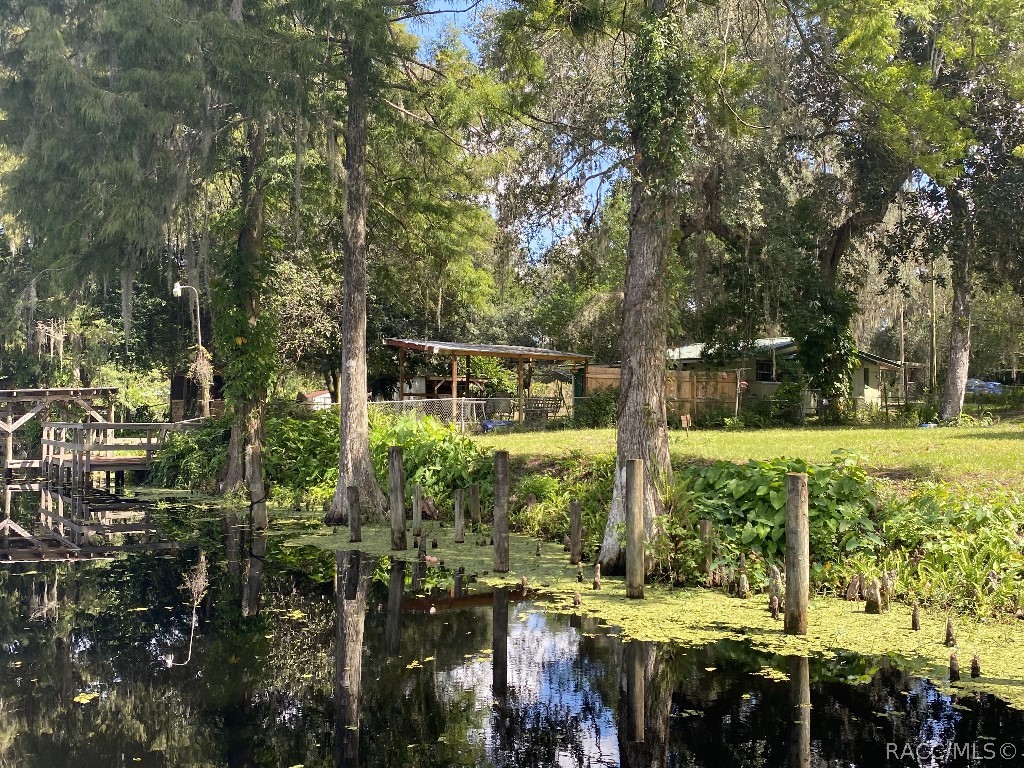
[201,370]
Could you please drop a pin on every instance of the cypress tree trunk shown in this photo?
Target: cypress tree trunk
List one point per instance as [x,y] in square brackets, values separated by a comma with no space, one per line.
[234,470]
[250,246]
[351,589]
[958,361]
[959,358]
[642,424]
[354,464]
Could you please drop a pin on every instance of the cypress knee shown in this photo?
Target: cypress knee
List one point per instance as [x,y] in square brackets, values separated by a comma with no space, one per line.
[873,597]
[743,591]
[954,669]
[915,619]
[950,634]
[975,666]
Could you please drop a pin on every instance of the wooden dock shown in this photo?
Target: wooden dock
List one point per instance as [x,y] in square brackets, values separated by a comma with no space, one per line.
[75,523]
[20,406]
[75,520]
[73,452]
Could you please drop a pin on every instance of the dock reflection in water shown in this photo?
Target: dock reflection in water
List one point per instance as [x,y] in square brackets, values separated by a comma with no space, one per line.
[337,664]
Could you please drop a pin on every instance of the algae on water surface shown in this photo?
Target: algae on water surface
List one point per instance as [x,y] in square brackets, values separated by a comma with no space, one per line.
[695,616]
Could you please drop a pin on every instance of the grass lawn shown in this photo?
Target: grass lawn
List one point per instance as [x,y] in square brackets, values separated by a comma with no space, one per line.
[972,456]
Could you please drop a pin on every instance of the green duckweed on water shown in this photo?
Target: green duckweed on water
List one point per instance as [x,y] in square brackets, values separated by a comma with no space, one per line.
[696,616]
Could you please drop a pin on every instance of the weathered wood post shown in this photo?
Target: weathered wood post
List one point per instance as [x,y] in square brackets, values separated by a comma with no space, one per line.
[798,554]
[707,537]
[8,441]
[798,669]
[393,625]
[396,481]
[575,532]
[417,510]
[499,644]
[474,505]
[635,690]
[501,512]
[460,520]
[635,528]
[355,529]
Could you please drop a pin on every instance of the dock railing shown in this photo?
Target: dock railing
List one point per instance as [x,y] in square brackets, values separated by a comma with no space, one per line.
[73,451]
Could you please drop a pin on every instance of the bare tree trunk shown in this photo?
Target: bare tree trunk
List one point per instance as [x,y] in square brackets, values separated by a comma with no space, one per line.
[642,425]
[351,587]
[254,572]
[250,244]
[129,270]
[354,464]
[234,471]
[959,339]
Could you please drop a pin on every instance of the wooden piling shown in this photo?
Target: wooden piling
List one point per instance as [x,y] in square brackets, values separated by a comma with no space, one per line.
[575,532]
[499,644]
[355,530]
[460,522]
[635,689]
[417,510]
[393,624]
[474,505]
[396,482]
[798,554]
[9,441]
[635,528]
[501,564]
[799,672]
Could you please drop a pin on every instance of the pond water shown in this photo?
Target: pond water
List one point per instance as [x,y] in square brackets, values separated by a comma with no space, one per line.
[398,666]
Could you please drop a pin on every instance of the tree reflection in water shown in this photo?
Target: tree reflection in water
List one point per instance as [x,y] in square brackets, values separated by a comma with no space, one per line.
[340,667]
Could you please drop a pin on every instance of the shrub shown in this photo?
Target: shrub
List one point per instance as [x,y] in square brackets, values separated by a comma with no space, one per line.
[301,456]
[957,549]
[596,410]
[578,476]
[193,459]
[747,503]
[435,456]
[712,415]
[301,450]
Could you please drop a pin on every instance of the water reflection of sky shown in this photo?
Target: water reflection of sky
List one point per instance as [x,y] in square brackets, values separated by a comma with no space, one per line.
[546,673]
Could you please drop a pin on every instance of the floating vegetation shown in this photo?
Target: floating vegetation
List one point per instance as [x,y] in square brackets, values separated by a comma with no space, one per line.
[692,617]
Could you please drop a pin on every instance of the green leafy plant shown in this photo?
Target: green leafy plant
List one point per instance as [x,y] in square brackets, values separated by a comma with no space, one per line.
[575,477]
[596,410]
[747,505]
[435,456]
[192,459]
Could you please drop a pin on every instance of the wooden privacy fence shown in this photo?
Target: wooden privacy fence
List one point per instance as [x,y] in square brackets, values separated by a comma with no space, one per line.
[686,392]
[73,451]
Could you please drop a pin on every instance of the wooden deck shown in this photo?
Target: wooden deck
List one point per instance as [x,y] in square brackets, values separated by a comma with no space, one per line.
[75,521]
[59,554]
[72,452]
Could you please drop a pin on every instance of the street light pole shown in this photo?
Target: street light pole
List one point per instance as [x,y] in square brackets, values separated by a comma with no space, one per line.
[202,371]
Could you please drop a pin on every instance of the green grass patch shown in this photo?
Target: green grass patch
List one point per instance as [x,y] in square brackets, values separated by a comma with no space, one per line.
[971,455]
